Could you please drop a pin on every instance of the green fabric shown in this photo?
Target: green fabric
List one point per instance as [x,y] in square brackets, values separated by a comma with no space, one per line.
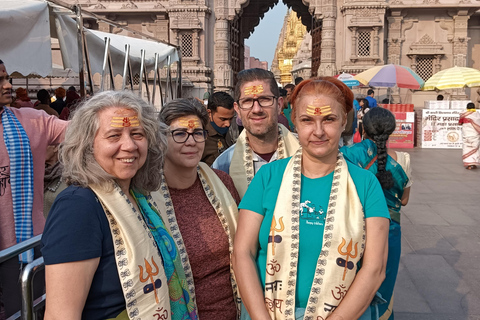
[122,316]
[261,198]
[288,114]
[181,305]
[361,154]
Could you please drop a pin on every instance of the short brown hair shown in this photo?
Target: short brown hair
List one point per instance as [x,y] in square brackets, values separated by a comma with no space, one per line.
[60,92]
[248,75]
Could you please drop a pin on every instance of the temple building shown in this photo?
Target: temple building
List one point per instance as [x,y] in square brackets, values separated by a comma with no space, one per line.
[290,39]
[344,36]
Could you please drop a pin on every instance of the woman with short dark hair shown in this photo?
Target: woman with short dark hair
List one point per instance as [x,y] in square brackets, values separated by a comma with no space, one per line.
[200,206]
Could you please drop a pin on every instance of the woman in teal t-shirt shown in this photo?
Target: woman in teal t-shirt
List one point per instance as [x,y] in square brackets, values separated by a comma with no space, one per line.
[306,223]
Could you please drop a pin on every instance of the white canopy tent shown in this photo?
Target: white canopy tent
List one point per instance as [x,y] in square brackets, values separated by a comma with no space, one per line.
[67,30]
[25,37]
[26,47]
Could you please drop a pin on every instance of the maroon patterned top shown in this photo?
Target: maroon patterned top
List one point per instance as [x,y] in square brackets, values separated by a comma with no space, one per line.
[207,246]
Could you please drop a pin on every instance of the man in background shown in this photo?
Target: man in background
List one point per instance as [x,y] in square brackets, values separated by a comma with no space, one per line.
[298,80]
[25,134]
[59,102]
[372,102]
[221,112]
[288,110]
[258,104]
[281,117]
[44,98]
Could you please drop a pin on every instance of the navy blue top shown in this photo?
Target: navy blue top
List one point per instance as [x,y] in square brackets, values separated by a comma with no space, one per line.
[77,229]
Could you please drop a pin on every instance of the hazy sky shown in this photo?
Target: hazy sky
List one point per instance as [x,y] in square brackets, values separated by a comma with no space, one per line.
[264,39]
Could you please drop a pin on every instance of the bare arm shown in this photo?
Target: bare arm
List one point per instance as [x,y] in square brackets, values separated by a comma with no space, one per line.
[244,254]
[68,285]
[405,196]
[370,276]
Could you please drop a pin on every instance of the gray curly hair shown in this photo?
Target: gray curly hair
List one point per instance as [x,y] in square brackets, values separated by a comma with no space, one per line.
[76,152]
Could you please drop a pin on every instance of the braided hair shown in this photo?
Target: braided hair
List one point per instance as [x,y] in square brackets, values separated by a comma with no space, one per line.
[379,123]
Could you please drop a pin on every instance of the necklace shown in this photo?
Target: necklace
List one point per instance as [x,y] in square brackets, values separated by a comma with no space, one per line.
[54,188]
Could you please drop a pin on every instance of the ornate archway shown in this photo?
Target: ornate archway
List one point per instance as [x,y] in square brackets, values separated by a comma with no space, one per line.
[236,20]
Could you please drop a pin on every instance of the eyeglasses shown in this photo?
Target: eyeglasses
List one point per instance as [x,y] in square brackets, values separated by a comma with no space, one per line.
[265,101]
[181,136]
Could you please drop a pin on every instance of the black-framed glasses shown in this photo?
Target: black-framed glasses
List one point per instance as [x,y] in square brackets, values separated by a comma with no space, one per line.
[181,136]
[263,101]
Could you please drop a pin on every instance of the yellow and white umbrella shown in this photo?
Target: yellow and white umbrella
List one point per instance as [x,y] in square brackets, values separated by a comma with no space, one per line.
[451,78]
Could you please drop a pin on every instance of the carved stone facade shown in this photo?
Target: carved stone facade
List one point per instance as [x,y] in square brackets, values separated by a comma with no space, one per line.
[302,62]
[354,35]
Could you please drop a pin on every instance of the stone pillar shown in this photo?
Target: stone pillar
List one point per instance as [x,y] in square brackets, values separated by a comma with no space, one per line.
[376,41]
[438,63]
[223,76]
[196,44]
[353,55]
[328,55]
[460,38]
[460,46]
[395,38]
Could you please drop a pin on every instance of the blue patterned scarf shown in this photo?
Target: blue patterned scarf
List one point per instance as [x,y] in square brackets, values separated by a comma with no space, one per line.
[21,178]
[182,307]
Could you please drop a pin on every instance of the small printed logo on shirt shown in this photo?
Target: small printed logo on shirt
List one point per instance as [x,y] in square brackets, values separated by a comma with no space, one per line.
[312,214]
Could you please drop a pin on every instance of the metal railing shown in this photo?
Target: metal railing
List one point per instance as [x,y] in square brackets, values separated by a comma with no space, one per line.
[15,250]
[29,306]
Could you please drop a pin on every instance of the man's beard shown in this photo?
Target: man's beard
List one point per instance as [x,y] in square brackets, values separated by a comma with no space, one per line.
[268,132]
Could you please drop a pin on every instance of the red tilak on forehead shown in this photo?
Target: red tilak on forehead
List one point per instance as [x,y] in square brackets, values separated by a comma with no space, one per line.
[126,121]
[253,90]
[189,123]
[316,109]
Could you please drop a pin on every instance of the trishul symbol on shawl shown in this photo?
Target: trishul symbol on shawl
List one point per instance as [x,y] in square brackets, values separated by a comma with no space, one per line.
[155,284]
[348,253]
[273,228]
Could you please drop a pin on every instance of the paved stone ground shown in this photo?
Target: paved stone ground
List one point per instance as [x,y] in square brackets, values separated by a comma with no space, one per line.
[439,276]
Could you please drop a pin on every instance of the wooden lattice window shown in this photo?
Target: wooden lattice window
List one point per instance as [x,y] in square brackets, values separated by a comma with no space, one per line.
[187,44]
[136,79]
[364,43]
[424,67]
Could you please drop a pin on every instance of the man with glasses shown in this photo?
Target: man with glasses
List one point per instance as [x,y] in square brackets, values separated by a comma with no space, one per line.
[258,104]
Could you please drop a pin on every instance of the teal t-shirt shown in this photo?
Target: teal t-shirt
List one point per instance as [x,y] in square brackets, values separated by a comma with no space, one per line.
[261,198]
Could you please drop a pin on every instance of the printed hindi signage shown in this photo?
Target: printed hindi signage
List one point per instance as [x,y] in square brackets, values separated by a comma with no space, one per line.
[403,136]
[440,129]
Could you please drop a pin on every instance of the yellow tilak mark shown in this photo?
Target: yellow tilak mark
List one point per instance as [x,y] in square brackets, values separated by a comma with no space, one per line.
[253,90]
[189,123]
[318,111]
[119,122]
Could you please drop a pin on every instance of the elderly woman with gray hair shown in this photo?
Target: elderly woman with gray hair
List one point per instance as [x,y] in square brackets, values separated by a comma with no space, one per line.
[200,205]
[107,252]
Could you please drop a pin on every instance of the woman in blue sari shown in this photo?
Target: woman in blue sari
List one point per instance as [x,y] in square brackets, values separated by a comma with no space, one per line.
[392,169]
